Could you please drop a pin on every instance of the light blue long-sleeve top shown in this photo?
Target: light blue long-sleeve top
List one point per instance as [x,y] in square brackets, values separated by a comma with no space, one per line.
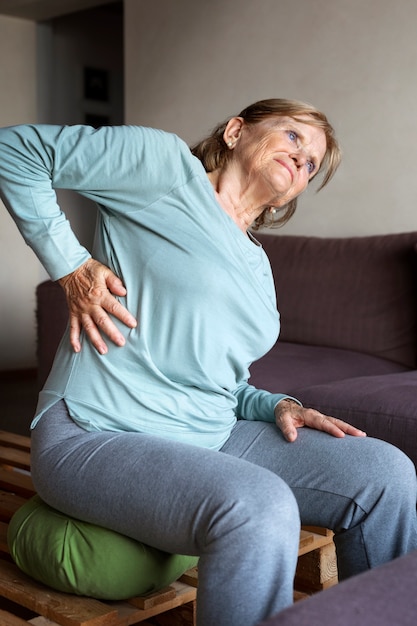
[202,291]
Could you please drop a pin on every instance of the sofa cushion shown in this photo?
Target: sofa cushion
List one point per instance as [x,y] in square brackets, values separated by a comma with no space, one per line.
[380,597]
[383,406]
[290,367]
[84,559]
[355,293]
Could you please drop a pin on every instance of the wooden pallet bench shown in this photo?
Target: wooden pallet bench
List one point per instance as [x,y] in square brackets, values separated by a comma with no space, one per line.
[172,606]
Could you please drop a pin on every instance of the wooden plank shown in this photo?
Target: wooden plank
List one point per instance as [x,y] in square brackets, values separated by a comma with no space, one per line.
[306,539]
[7,619]
[3,537]
[300,595]
[317,570]
[14,457]
[154,599]
[9,503]
[184,615]
[20,442]
[190,577]
[315,541]
[71,610]
[17,482]
[134,615]
[65,609]
[319,530]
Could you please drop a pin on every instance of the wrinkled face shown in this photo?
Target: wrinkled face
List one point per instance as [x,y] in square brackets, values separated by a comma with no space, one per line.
[279,157]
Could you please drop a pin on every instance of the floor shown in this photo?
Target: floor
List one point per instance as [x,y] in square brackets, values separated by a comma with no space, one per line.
[18,398]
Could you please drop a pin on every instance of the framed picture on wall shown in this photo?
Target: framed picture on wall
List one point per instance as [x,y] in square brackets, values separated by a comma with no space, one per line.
[96,84]
[91,119]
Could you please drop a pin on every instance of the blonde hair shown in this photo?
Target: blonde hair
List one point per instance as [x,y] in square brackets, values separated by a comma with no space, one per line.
[213,152]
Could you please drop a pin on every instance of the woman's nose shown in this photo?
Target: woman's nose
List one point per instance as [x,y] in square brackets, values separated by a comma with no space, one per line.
[299,157]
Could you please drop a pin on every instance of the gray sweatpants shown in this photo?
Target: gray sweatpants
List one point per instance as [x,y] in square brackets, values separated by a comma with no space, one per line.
[238,509]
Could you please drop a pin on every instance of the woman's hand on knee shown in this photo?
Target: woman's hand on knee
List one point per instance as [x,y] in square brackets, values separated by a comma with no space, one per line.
[90,292]
[289,416]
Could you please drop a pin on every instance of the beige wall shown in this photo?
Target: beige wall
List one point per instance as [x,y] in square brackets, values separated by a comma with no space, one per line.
[33,59]
[190,64]
[20,270]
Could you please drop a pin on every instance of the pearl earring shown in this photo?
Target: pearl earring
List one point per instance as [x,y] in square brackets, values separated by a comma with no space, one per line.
[230,144]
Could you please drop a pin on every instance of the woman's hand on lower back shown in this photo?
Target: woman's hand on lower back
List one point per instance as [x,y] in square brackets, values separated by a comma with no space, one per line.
[90,291]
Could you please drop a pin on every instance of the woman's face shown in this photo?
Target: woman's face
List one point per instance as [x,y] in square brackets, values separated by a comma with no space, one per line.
[277,157]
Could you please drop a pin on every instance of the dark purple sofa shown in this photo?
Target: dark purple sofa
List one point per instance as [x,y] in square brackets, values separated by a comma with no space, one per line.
[384,596]
[348,343]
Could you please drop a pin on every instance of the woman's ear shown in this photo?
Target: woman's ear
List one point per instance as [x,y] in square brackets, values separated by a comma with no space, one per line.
[233,131]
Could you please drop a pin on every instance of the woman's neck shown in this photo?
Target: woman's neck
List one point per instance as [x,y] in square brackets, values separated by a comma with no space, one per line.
[235,204]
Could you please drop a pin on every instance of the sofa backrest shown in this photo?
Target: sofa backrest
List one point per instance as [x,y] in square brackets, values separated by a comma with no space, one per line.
[357,293]
[51,321]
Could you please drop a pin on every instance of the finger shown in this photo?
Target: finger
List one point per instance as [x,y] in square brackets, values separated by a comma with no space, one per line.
[285,423]
[116,308]
[75,331]
[348,429]
[331,425]
[115,285]
[93,334]
[328,426]
[100,321]
[91,330]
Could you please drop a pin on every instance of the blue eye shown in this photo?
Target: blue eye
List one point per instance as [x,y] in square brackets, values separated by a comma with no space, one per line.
[310,167]
[292,135]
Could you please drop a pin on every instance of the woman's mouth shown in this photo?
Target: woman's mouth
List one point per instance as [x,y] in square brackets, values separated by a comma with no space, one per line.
[287,167]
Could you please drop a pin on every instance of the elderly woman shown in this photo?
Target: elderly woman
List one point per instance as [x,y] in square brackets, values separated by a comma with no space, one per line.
[159,435]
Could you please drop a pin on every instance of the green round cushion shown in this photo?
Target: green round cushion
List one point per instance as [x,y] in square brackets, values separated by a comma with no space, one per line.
[84,559]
